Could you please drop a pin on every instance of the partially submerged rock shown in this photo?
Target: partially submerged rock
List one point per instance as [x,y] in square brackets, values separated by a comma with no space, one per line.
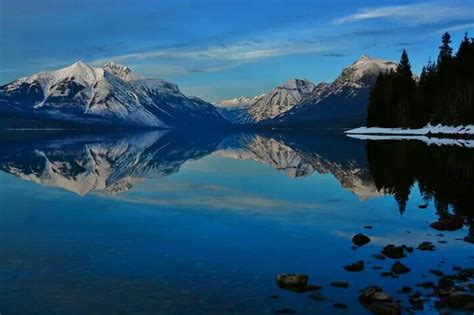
[394,252]
[378,301]
[360,239]
[340,284]
[399,268]
[316,296]
[292,280]
[469,239]
[426,246]
[461,299]
[296,283]
[447,224]
[378,256]
[355,267]
[340,305]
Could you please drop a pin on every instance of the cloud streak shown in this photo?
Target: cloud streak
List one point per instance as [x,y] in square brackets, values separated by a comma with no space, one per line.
[236,53]
[419,13]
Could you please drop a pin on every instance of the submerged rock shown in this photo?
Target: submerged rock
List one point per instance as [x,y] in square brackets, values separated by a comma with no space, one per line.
[436,272]
[447,224]
[378,256]
[426,246]
[316,296]
[394,252]
[360,239]
[340,284]
[292,280]
[426,284]
[286,311]
[355,267]
[296,282]
[378,301]
[399,268]
[405,290]
[340,305]
[469,239]
[461,299]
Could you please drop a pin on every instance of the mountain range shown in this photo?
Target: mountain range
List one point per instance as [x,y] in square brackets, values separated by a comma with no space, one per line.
[299,102]
[115,96]
[112,95]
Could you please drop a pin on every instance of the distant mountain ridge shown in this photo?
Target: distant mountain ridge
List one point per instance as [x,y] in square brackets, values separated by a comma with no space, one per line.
[302,103]
[110,95]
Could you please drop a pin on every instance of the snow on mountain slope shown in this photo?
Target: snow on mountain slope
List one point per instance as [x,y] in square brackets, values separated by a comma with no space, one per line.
[112,95]
[268,105]
[345,97]
[241,101]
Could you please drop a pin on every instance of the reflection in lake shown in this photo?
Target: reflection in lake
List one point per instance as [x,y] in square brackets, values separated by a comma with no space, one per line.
[164,222]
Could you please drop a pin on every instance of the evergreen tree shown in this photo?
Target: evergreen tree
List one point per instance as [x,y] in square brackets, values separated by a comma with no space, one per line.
[444,93]
[404,66]
[405,91]
[445,51]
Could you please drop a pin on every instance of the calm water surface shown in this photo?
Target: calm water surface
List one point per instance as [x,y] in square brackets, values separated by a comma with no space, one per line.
[166,223]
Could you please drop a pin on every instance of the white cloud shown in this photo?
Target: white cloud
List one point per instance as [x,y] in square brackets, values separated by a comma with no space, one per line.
[238,52]
[427,12]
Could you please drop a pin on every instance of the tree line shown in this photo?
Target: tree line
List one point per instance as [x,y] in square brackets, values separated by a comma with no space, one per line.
[444,92]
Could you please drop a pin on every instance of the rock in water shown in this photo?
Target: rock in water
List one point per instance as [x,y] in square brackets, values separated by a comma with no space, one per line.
[399,268]
[340,284]
[461,299]
[447,224]
[360,239]
[296,282]
[340,305]
[292,280]
[469,239]
[378,301]
[355,267]
[394,252]
[426,246]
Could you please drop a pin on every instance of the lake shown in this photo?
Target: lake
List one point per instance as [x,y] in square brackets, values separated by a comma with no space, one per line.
[162,222]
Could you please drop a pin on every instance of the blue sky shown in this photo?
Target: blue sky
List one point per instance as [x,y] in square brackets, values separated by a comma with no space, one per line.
[223,48]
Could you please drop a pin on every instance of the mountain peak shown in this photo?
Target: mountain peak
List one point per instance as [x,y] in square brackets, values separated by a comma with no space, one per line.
[295,83]
[123,72]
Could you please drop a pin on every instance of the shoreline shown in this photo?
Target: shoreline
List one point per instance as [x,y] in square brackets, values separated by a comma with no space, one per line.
[429,131]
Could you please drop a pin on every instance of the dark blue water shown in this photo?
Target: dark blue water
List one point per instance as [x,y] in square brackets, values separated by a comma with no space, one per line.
[161,223]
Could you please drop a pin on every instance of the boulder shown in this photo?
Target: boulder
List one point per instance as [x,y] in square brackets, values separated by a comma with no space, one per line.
[447,224]
[340,284]
[296,282]
[426,246]
[360,239]
[355,267]
[399,268]
[394,252]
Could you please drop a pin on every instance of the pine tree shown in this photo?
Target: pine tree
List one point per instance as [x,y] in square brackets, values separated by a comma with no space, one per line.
[445,51]
[405,91]
[404,66]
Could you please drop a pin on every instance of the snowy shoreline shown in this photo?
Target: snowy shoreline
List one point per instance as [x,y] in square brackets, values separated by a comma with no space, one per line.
[428,130]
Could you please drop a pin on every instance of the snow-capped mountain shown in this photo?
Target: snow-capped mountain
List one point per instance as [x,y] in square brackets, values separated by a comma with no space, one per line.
[241,101]
[268,105]
[110,95]
[236,109]
[344,99]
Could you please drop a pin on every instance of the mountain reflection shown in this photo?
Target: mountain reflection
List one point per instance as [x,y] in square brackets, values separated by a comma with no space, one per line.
[115,162]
